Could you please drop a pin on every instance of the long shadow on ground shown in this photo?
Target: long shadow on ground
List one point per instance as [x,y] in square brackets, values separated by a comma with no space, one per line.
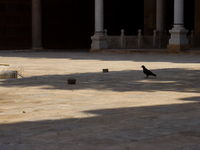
[152,127]
[85,55]
[179,80]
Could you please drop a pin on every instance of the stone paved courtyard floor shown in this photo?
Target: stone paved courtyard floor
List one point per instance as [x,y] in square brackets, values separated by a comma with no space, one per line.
[118,110]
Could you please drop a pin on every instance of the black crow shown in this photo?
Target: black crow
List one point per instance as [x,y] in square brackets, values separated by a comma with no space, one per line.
[148,72]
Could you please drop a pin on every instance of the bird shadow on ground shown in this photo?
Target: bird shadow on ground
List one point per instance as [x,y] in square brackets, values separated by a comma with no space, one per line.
[172,79]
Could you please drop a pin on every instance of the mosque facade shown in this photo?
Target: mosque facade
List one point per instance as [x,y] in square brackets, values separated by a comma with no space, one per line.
[99,24]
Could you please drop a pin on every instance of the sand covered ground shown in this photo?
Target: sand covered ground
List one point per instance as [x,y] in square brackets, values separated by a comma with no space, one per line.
[118,110]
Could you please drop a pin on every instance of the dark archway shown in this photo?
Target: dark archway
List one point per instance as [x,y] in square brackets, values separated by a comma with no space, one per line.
[123,14]
[15,24]
[189,13]
[67,24]
[70,24]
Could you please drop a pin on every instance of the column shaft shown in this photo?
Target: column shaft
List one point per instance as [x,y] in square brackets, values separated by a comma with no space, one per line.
[160,23]
[178,13]
[160,15]
[36,25]
[99,19]
[99,40]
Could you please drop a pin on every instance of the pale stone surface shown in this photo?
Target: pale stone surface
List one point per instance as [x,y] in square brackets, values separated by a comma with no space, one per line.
[178,37]
[10,71]
[117,110]
[99,42]
[19,69]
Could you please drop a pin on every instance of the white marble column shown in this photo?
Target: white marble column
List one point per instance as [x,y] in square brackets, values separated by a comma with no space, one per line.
[99,40]
[99,18]
[160,22]
[36,25]
[178,14]
[178,41]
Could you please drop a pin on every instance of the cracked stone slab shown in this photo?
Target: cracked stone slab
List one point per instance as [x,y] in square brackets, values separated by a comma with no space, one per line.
[8,74]
[10,71]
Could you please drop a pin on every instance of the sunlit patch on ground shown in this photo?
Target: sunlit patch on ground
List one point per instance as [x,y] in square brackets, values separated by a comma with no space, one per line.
[102,110]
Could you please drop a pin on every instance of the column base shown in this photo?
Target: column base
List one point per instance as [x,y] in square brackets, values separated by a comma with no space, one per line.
[177,48]
[178,37]
[98,42]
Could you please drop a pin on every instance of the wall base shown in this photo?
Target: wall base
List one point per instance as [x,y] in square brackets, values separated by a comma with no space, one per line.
[99,42]
[94,50]
[37,48]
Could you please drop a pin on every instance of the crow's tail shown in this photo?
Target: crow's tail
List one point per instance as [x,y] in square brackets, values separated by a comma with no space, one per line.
[154,75]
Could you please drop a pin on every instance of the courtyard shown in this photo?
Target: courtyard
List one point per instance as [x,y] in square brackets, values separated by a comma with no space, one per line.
[117,110]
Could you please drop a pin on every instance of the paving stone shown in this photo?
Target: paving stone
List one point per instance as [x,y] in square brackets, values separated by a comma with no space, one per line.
[110,111]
